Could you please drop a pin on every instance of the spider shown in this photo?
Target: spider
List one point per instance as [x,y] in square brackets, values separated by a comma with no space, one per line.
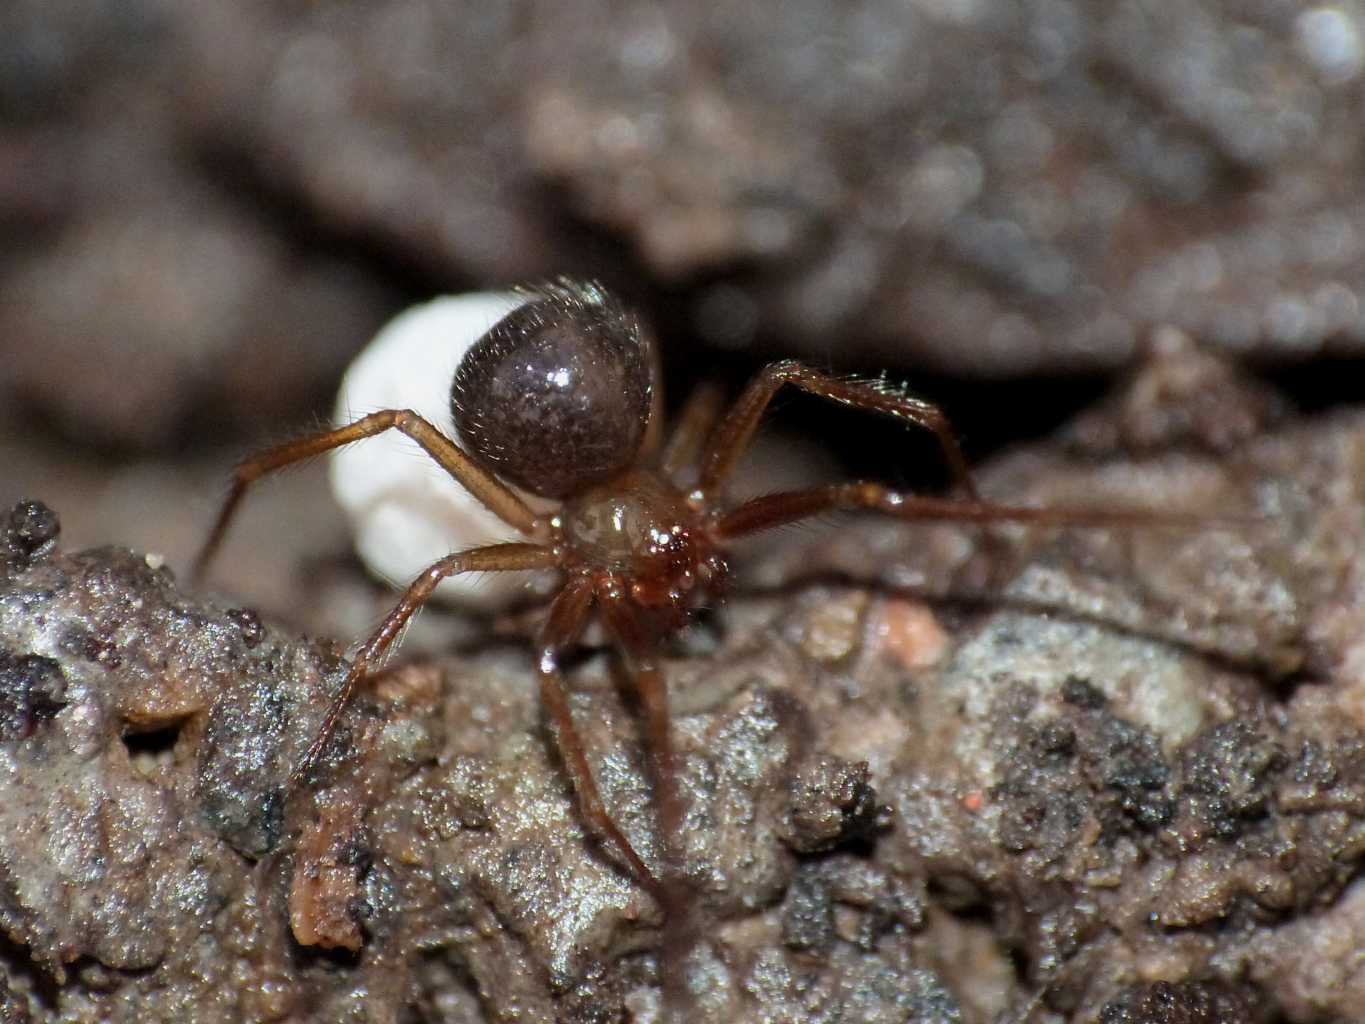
[559,399]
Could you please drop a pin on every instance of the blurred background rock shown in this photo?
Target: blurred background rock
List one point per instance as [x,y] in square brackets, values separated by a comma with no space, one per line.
[207,207]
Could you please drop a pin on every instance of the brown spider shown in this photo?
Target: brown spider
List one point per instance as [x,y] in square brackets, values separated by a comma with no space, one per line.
[558,399]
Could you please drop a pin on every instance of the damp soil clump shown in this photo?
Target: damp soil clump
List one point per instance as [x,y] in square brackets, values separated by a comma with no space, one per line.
[931,775]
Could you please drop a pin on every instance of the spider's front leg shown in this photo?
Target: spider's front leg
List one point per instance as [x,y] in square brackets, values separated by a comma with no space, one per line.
[447,454]
[493,558]
[565,621]
[681,931]
[732,437]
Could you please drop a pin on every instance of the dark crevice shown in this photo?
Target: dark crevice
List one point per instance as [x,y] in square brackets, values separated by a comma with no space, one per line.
[152,745]
[34,981]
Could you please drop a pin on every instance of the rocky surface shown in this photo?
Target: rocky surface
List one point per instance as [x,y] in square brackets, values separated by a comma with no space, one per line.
[1112,776]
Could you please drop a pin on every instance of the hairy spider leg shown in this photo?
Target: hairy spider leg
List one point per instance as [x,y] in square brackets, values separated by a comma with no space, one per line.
[733,435]
[491,558]
[567,616]
[474,478]
[772,510]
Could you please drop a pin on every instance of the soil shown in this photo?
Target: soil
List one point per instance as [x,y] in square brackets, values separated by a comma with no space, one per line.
[931,773]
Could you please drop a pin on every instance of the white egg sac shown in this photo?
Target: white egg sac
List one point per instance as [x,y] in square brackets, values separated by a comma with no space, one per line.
[405,510]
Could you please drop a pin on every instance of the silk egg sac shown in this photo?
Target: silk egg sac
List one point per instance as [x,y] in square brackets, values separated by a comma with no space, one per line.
[405,511]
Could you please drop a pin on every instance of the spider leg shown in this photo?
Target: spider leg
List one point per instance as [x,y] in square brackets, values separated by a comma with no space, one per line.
[654,423]
[680,931]
[477,480]
[567,616]
[695,422]
[493,558]
[635,641]
[771,510]
[734,433]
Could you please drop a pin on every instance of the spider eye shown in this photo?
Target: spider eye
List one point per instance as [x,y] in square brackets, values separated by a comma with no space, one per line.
[556,396]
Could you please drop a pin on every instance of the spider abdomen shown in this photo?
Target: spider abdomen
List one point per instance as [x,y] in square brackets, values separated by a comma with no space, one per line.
[556,396]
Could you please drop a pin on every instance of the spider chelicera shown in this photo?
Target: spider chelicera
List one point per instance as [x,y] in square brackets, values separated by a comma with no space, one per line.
[558,399]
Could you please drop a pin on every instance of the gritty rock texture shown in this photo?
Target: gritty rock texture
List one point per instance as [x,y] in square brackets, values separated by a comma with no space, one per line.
[1136,802]
[1164,1003]
[156,862]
